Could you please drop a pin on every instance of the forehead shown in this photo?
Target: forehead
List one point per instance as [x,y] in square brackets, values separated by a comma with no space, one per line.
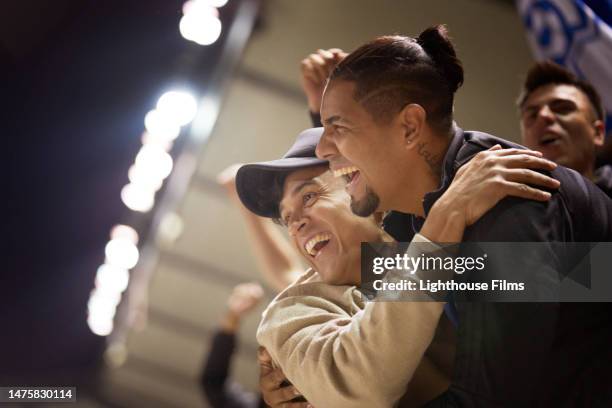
[338,102]
[314,175]
[550,92]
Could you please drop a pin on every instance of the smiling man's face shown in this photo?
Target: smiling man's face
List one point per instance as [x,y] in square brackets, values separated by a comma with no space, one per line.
[315,209]
[364,152]
[559,121]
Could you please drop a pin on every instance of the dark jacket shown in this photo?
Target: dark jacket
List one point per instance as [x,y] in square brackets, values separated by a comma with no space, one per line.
[528,354]
[603,179]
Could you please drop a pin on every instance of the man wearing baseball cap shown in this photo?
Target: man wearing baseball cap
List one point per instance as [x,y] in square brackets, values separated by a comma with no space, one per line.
[313,205]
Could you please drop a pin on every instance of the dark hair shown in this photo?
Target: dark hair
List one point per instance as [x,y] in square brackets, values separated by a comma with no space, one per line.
[547,72]
[393,71]
[276,195]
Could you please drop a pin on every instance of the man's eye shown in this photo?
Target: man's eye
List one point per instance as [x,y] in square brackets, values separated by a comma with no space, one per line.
[341,130]
[563,107]
[308,198]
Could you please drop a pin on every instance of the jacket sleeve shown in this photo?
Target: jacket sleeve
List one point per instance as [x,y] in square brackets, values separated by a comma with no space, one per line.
[340,355]
[220,392]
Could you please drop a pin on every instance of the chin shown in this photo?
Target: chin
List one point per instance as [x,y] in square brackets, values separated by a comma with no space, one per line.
[366,206]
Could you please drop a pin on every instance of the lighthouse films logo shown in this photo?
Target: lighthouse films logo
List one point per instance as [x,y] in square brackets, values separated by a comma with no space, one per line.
[487,272]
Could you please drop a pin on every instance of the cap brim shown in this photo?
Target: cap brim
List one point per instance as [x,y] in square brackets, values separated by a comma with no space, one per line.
[256,185]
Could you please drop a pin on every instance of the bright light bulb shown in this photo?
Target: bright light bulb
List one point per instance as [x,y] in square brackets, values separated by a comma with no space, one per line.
[122,253]
[180,106]
[100,326]
[124,231]
[151,139]
[137,198]
[103,303]
[203,29]
[162,126]
[111,278]
[154,160]
[202,7]
[217,3]
[148,181]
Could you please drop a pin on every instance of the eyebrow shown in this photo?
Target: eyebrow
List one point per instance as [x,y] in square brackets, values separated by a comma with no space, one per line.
[333,119]
[297,189]
[531,107]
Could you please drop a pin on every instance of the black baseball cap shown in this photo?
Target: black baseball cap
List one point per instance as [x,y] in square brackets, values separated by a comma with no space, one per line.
[256,183]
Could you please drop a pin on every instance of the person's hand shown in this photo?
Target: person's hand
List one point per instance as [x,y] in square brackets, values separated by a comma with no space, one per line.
[275,389]
[227,179]
[492,175]
[244,298]
[315,71]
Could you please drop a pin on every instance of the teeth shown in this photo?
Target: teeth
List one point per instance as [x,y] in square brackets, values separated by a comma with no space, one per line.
[345,170]
[309,247]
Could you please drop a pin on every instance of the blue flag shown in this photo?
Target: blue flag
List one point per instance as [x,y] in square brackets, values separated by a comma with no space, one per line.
[570,33]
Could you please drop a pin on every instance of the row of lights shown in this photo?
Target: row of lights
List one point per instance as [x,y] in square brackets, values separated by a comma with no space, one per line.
[153,164]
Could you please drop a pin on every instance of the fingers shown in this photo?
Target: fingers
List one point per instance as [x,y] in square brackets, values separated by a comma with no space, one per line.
[326,54]
[282,396]
[526,176]
[264,358]
[512,158]
[248,290]
[525,191]
[527,161]
[244,298]
[512,151]
[308,70]
[295,405]
[271,380]
[276,395]
[317,66]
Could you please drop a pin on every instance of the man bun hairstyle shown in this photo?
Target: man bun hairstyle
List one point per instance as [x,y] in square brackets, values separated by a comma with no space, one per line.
[391,72]
[547,72]
[436,43]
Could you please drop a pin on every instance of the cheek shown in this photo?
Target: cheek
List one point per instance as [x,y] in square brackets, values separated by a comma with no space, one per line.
[580,133]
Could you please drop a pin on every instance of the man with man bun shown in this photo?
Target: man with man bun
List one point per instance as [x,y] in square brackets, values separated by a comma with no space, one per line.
[389,130]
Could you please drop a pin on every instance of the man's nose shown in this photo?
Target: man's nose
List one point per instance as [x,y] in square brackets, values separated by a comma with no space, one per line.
[545,114]
[296,224]
[326,147]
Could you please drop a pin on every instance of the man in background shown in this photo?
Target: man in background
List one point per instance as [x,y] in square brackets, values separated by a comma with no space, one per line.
[563,117]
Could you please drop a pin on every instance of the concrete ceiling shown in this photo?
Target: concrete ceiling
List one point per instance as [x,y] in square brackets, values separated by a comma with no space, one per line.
[261,114]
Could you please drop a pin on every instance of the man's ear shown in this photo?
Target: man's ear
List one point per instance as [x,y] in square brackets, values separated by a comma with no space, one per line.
[412,119]
[600,133]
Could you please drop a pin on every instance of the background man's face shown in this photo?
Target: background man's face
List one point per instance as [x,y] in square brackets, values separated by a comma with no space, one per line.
[558,121]
[315,209]
[358,149]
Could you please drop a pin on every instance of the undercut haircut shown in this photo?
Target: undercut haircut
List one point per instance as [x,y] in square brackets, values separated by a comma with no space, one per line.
[391,72]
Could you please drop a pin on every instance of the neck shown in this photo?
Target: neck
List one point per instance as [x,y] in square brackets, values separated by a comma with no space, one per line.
[424,175]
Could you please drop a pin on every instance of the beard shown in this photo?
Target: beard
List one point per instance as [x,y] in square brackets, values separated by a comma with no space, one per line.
[367,205]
